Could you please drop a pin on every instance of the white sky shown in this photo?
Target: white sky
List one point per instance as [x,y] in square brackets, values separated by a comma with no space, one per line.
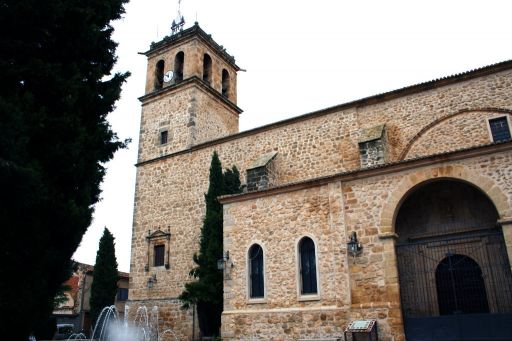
[300,56]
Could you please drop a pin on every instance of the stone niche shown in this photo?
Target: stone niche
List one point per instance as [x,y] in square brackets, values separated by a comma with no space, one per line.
[262,173]
[373,146]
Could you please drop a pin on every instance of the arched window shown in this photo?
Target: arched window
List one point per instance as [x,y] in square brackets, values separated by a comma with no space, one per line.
[159,74]
[207,69]
[225,83]
[460,286]
[307,266]
[256,279]
[179,61]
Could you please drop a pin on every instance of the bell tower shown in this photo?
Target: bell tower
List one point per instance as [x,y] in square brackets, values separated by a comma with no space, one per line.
[190,94]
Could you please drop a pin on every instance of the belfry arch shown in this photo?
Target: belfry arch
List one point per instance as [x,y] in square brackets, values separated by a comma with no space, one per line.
[450,251]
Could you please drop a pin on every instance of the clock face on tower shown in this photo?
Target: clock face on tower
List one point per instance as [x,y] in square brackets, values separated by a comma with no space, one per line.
[168,76]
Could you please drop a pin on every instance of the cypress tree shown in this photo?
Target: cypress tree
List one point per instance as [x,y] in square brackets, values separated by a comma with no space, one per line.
[56,90]
[207,291]
[105,276]
[232,181]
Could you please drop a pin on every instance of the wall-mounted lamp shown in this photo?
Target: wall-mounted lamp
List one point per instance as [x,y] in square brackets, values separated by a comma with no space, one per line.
[354,247]
[151,281]
[222,263]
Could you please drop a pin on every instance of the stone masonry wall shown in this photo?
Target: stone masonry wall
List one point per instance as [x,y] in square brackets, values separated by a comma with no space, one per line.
[350,288]
[405,117]
[459,131]
[212,119]
[189,115]
[330,141]
[167,113]
[170,191]
[277,223]
[170,316]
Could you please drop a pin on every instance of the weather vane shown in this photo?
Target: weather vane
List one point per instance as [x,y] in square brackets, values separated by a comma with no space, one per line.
[179,22]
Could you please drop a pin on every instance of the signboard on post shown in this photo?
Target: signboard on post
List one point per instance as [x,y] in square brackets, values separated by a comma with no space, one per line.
[361,330]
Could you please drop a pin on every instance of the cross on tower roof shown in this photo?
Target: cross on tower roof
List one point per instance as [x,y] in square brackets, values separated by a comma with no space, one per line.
[179,22]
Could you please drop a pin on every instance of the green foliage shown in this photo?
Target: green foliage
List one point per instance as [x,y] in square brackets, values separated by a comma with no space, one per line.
[105,276]
[54,100]
[232,181]
[61,296]
[206,292]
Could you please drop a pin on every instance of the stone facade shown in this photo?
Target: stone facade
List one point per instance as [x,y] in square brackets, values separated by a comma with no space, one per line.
[350,288]
[319,190]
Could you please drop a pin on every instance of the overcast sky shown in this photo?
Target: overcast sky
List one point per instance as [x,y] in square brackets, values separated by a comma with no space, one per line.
[300,56]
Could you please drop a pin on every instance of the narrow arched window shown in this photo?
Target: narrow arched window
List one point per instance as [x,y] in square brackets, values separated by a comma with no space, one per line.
[207,68]
[256,279]
[307,266]
[159,74]
[225,83]
[179,62]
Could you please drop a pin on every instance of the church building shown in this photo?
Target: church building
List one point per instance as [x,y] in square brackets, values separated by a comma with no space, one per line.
[391,214]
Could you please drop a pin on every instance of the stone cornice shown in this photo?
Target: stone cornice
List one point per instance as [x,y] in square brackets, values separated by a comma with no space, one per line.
[372,172]
[189,81]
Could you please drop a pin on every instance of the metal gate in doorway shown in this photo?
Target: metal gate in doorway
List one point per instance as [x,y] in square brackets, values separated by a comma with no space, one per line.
[456,287]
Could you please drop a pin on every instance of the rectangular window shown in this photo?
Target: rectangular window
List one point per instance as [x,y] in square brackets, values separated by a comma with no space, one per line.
[164,135]
[499,129]
[159,255]
[122,294]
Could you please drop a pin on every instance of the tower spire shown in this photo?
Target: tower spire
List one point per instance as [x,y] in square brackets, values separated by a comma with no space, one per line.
[179,22]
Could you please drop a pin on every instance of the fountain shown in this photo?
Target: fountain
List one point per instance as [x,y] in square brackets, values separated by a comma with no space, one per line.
[144,327]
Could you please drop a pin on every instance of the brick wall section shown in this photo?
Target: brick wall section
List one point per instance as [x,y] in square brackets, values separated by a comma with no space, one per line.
[170,191]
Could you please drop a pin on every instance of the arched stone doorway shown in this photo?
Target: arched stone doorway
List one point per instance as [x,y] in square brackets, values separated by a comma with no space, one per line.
[454,273]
